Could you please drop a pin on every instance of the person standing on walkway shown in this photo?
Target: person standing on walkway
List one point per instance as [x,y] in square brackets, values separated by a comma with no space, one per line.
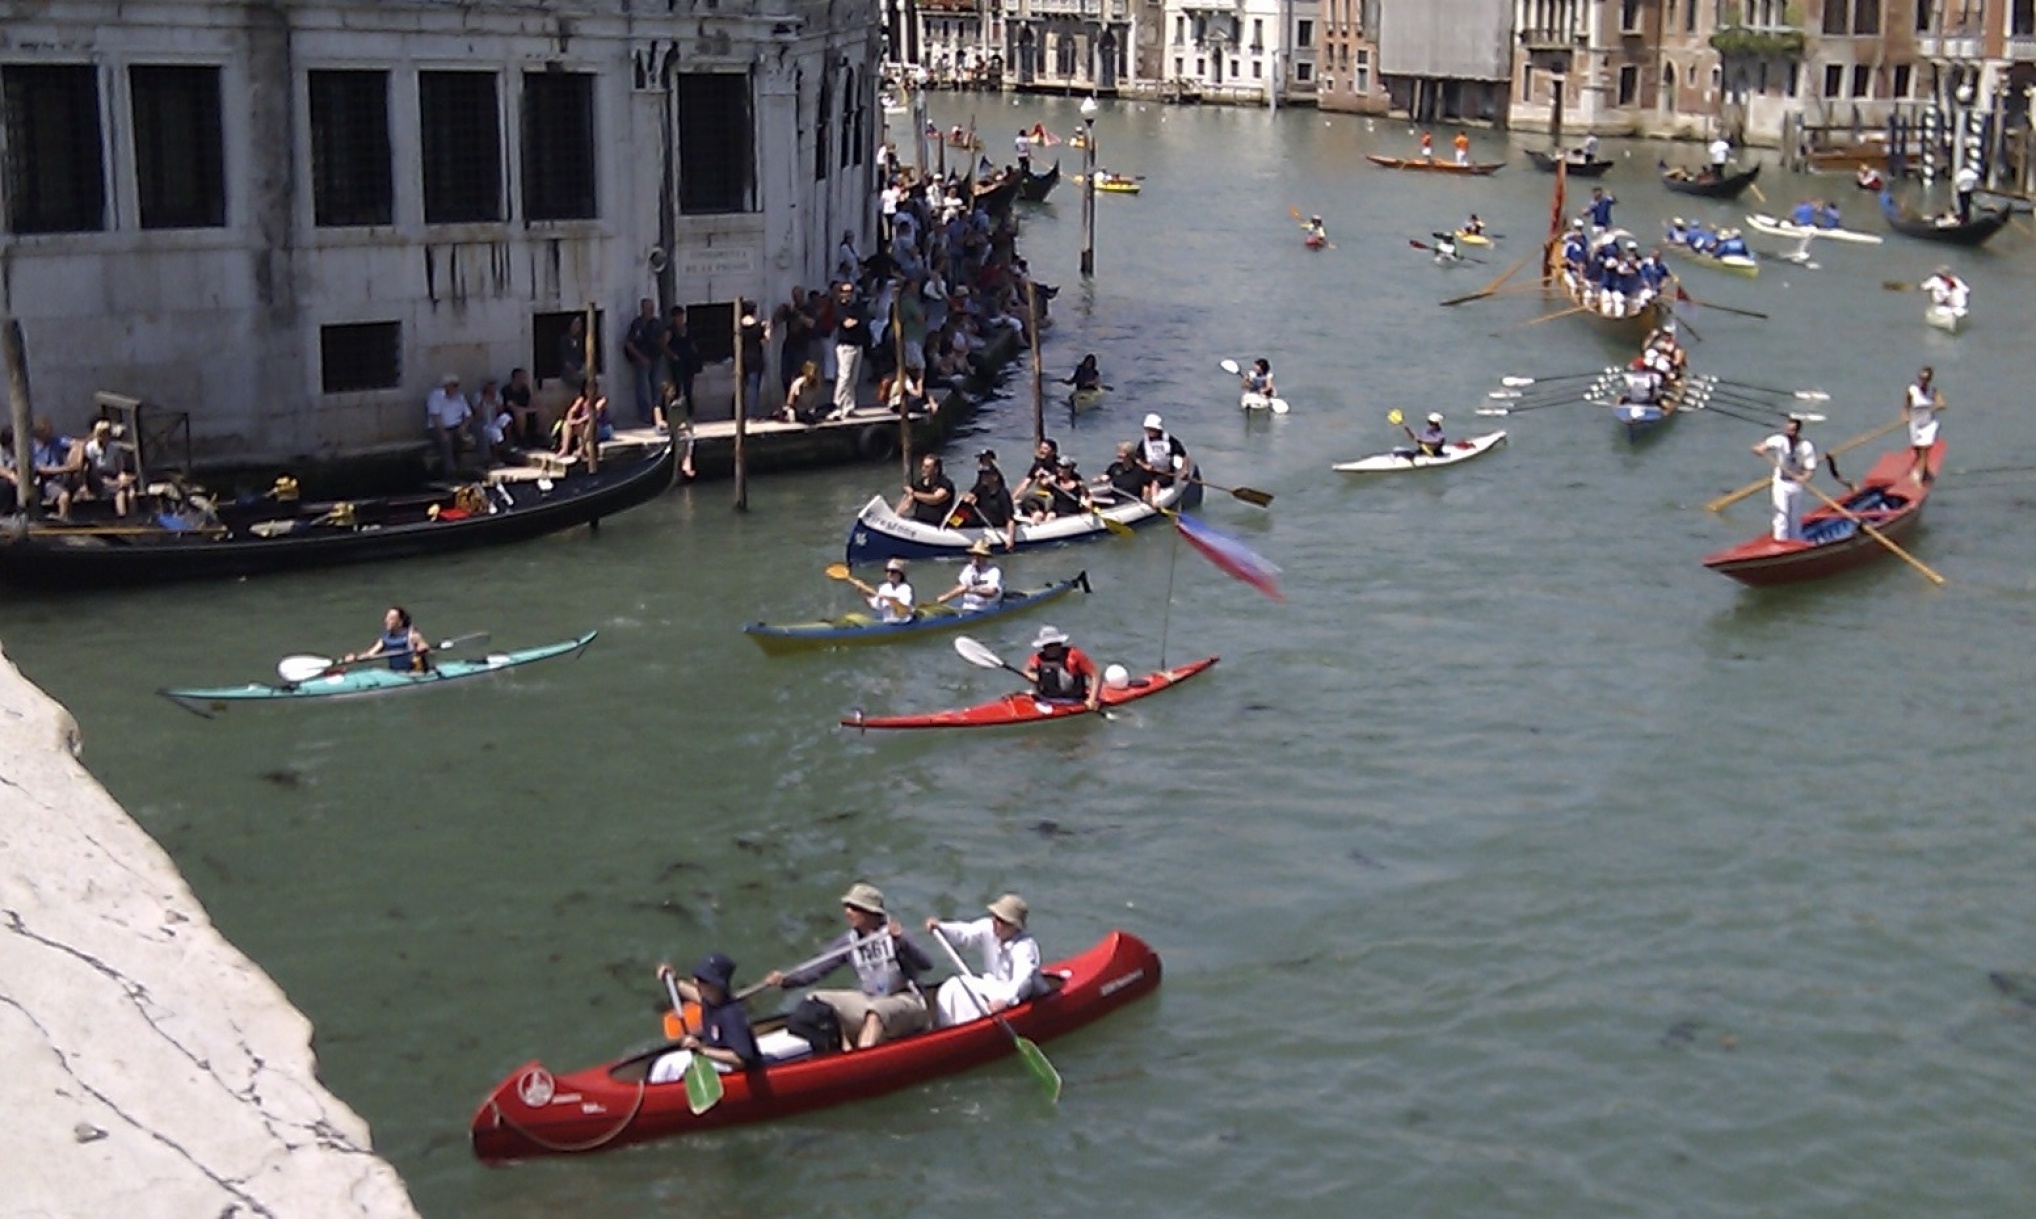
[1795,460]
[851,340]
[1921,405]
[643,346]
[682,362]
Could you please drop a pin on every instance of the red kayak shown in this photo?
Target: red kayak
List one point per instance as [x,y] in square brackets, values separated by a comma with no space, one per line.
[1029,708]
[1314,241]
[1887,498]
[534,1112]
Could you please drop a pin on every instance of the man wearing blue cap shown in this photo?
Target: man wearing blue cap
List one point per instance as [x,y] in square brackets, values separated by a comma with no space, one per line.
[723,1036]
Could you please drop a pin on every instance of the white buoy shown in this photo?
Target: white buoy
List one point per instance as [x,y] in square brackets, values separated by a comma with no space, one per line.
[1116,677]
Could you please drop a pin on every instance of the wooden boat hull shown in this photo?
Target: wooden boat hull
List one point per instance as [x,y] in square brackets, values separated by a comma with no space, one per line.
[1974,232]
[880,533]
[366,681]
[1547,163]
[1475,169]
[1401,459]
[535,1113]
[1887,498]
[1025,708]
[858,630]
[59,558]
[1727,187]
[1775,226]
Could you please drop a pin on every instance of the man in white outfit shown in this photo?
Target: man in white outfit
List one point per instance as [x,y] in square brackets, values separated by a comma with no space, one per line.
[1920,406]
[1795,461]
[1010,957]
[1721,152]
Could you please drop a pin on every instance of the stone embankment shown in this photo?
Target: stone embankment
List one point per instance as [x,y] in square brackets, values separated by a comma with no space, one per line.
[151,1068]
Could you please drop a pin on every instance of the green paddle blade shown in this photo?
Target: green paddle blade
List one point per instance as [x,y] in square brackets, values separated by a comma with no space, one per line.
[1035,1061]
[703,1084]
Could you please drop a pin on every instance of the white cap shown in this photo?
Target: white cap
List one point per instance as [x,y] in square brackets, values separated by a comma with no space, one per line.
[1154,421]
[1434,416]
[451,378]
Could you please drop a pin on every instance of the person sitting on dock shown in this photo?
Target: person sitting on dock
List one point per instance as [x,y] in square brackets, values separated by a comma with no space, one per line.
[109,467]
[804,401]
[886,1003]
[979,584]
[892,599]
[1010,957]
[1430,440]
[404,645]
[723,1036]
[1795,461]
[1062,674]
[1161,457]
[446,416]
[929,497]
[586,421]
[527,432]
[57,462]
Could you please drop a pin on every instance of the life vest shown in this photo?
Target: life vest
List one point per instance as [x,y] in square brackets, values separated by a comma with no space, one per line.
[396,646]
[1058,681]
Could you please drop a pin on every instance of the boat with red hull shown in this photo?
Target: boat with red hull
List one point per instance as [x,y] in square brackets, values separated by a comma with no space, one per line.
[535,1113]
[1887,498]
[1027,708]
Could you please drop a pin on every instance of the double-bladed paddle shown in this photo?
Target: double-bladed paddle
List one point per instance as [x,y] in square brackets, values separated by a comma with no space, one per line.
[1279,405]
[1459,255]
[1029,1053]
[304,667]
[983,658]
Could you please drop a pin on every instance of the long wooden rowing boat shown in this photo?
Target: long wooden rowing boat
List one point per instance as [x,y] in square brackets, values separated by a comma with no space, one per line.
[852,630]
[1408,459]
[879,533]
[535,1113]
[1887,498]
[366,680]
[1026,708]
[1430,165]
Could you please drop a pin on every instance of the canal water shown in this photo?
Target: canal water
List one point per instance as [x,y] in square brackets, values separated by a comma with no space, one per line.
[1514,865]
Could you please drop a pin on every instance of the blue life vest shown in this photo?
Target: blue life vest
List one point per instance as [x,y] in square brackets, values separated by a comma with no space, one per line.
[396,646]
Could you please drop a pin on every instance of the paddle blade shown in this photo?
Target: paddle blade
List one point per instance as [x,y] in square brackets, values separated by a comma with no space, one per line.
[1042,1070]
[703,1084]
[302,668]
[1280,406]
[1252,495]
[1394,417]
[1116,527]
[836,571]
[1516,382]
[1229,366]
[976,654]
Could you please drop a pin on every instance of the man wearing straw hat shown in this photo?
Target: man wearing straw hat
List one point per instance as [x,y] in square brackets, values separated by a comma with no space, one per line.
[980,584]
[1010,956]
[886,1003]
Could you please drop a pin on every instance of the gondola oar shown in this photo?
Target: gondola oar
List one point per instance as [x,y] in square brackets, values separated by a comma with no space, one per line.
[1492,287]
[1875,534]
[1030,1054]
[1732,497]
[1800,395]
[304,667]
[1518,382]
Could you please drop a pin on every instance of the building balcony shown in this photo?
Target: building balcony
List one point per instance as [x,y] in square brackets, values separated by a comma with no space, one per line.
[1949,46]
[2020,50]
[1552,40]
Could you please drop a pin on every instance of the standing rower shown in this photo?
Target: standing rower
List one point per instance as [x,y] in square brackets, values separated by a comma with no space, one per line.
[1921,405]
[1795,461]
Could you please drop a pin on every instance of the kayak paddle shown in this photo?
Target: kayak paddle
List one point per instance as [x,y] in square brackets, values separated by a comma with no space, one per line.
[703,1082]
[1029,1053]
[1230,366]
[837,571]
[305,667]
[1250,495]
[982,657]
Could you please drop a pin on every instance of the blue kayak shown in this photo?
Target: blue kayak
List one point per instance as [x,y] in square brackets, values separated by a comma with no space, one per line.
[851,630]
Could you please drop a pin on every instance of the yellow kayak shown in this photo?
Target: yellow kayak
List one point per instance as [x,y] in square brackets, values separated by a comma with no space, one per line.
[1463,238]
[1116,183]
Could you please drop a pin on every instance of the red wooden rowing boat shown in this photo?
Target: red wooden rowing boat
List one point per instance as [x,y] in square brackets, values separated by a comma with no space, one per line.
[534,1113]
[1887,498]
[1026,708]
[1476,169]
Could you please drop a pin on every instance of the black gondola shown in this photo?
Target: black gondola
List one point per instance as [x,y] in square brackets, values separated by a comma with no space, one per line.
[1037,187]
[266,536]
[1727,187]
[1984,224]
[995,195]
[1578,167]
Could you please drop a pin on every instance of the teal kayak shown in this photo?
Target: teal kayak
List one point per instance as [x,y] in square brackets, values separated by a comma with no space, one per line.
[852,629]
[368,679]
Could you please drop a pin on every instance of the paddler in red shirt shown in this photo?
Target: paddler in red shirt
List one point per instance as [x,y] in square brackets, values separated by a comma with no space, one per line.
[1061,674]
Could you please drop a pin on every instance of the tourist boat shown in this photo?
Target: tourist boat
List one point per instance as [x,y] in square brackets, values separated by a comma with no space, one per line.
[535,1113]
[851,630]
[1409,459]
[366,679]
[1433,166]
[205,540]
[1887,498]
[880,533]
[1944,317]
[1578,166]
[1776,226]
[1726,187]
[1747,265]
[1028,708]
[1036,187]
[1946,228]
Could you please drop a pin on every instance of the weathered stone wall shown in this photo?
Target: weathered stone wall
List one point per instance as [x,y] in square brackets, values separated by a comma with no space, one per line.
[151,1069]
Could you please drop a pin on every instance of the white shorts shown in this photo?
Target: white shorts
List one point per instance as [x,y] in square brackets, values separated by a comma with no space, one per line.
[1922,433]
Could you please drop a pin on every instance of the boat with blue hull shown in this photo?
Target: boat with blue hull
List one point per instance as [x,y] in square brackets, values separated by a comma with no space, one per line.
[854,630]
[879,533]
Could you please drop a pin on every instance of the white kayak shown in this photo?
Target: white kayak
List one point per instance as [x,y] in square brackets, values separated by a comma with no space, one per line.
[1259,402]
[1944,317]
[1408,459]
[1775,226]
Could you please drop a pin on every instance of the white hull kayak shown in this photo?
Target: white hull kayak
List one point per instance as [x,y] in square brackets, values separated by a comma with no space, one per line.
[1259,402]
[1945,318]
[1775,226]
[1407,459]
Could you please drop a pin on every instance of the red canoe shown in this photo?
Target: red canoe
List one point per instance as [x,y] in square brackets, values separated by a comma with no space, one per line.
[1887,498]
[1027,708]
[534,1112]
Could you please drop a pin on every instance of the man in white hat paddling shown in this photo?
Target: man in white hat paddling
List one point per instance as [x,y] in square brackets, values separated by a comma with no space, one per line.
[1010,969]
[1062,674]
[1161,457]
[980,584]
[886,1003]
[1429,441]
[893,598]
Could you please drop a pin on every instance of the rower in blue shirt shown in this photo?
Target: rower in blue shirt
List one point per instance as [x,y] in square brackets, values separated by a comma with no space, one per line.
[1827,216]
[1701,239]
[1732,245]
[1805,213]
[1600,209]
[1678,232]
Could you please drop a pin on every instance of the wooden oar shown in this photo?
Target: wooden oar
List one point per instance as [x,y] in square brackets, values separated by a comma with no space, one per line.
[1896,285]
[304,667]
[703,1082]
[1551,317]
[1732,497]
[1876,535]
[1517,382]
[1752,313]
[1800,395]
[1755,188]
[1492,287]
[1249,495]
[1030,1054]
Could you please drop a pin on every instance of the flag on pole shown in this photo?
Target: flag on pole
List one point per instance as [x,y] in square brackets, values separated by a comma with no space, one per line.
[1231,555]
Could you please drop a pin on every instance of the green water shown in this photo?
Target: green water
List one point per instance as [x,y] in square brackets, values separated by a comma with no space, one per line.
[1515,865]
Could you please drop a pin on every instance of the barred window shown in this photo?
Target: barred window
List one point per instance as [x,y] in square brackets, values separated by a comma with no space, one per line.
[716,144]
[558,146]
[179,157]
[823,135]
[712,329]
[351,180]
[461,134]
[360,356]
[56,182]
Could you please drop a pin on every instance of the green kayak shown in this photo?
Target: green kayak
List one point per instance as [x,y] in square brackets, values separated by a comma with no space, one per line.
[367,679]
[851,630]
